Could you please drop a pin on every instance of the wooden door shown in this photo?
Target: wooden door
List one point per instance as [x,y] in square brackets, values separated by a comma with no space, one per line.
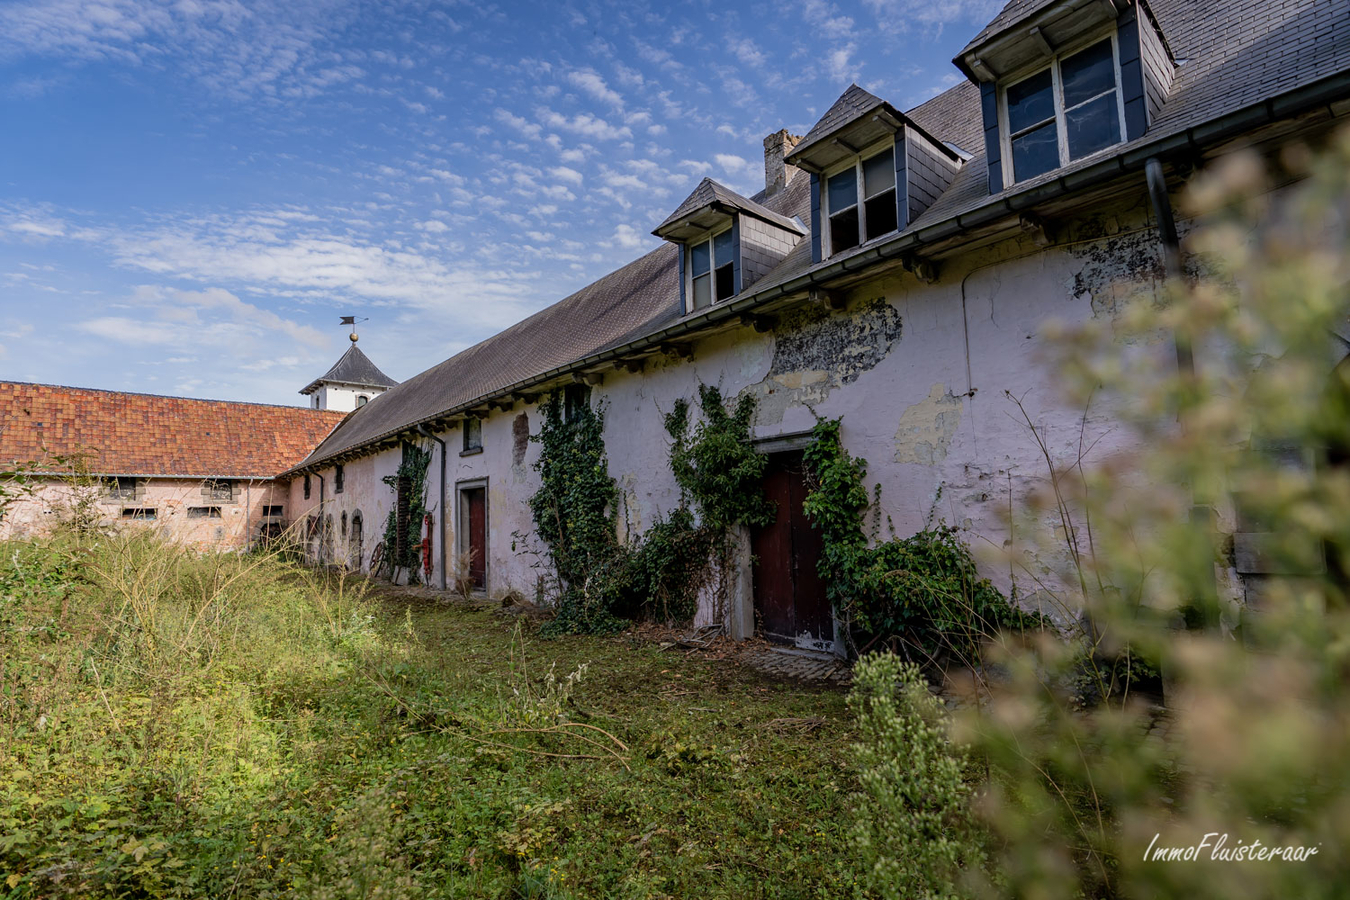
[789,594]
[475,500]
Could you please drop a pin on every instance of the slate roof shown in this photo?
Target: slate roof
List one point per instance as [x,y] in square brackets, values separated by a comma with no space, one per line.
[1016,11]
[710,192]
[852,105]
[1236,54]
[145,434]
[355,368]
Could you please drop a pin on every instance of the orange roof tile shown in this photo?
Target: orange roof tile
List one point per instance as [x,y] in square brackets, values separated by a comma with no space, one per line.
[122,433]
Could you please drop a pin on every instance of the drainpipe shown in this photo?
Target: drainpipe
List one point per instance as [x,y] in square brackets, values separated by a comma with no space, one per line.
[423,431]
[1167,233]
[1202,509]
[319,553]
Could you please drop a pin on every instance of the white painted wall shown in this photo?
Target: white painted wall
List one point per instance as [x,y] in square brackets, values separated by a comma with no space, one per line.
[341,397]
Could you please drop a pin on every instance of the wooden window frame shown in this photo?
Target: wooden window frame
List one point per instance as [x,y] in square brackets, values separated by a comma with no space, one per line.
[708,239]
[856,163]
[1057,96]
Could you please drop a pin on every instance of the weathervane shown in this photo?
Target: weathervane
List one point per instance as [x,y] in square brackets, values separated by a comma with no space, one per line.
[352,320]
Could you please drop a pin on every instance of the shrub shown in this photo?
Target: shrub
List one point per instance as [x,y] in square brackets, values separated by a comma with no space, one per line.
[1254,745]
[915,831]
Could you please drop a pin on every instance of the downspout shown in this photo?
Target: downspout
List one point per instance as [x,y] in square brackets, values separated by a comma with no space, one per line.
[423,431]
[1202,507]
[319,554]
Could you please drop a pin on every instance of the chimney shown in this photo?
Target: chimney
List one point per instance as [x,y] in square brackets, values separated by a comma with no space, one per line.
[777,174]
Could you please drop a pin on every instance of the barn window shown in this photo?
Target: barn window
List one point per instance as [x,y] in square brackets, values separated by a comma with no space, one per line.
[218,489]
[712,269]
[473,434]
[138,513]
[120,488]
[203,512]
[860,200]
[306,487]
[337,478]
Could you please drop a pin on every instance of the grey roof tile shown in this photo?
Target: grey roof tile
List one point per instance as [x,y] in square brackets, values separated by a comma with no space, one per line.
[710,192]
[354,367]
[853,104]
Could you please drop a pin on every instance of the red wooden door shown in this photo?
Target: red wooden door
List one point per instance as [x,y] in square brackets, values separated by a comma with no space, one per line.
[789,594]
[477,502]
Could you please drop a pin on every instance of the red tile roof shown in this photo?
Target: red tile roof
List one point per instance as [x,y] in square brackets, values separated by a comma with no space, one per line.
[144,434]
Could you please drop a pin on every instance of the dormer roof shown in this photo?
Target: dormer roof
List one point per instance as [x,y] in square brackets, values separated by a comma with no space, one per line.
[354,368]
[710,205]
[1027,31]
[856,119]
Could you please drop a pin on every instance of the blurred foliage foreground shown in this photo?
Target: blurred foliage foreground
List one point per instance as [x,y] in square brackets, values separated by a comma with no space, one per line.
[1082,785]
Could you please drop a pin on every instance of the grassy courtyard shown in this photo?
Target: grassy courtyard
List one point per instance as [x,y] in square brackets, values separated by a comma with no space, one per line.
[173,725]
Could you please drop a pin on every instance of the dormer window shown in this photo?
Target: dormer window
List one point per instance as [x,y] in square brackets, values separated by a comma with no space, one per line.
[712,269]
[725,243]
[852,222]
[1065,112]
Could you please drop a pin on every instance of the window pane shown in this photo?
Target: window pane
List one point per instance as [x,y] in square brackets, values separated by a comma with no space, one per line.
[880,212]
[722,249]
[1035,152]
[1093,126]
[878,175]
[843,190]
[844,230]
[1085,75]
[699,259]
[1030,101]
[702,291]
[726,281]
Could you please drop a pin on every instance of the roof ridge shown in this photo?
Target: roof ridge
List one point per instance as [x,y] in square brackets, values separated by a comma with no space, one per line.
[72,387]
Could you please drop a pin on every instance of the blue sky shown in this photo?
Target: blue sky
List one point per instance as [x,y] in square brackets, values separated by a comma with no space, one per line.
[193,191]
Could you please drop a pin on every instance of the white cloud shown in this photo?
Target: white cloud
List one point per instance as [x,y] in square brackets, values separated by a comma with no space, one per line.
[586,124]
[589,81]
[269,51]
[179,321]
[626,236]
[524,126]
[564,173]
[433,226]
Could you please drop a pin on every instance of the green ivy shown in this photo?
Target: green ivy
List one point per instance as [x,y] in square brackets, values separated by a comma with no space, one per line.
[716,466]
[923,589]
[574,514]
[659,574]
[416,460]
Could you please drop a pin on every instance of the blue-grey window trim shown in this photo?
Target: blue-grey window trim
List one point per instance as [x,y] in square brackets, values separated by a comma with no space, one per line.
[736,255]
[1132,73]
[815,217]
[901,183]
[993,143]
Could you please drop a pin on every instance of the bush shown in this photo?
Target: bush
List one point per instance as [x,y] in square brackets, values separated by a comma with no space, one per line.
[1254,746]
[915,832]
[923,589]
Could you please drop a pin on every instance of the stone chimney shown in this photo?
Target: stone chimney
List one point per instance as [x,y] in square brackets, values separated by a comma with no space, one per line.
[777,174]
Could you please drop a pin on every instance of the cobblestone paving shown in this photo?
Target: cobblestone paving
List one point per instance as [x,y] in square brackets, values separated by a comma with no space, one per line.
[800,664]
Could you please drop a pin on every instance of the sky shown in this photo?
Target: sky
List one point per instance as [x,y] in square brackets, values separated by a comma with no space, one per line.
[192,192]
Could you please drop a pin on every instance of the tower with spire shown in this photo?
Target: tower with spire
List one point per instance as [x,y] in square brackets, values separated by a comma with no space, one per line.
[352,381]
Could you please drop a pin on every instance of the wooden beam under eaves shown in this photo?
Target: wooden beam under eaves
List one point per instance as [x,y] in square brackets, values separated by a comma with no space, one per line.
[1038,38]
[981,69]
[761,324]
[679,351]
[591,378]
[633,366]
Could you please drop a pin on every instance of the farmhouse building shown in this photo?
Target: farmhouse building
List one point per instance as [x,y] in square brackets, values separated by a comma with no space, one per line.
[203,472]
[895,272]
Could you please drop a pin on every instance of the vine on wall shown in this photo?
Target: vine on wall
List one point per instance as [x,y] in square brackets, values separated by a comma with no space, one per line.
[416,460]
[923,590]
[599,580]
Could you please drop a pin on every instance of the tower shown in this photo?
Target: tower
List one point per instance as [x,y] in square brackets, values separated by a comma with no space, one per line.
[352,381]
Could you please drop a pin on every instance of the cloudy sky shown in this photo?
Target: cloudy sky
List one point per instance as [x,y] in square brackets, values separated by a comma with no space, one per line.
[193,191]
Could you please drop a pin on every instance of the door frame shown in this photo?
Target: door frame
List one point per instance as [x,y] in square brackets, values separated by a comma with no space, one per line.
[743,606]
[462,522]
